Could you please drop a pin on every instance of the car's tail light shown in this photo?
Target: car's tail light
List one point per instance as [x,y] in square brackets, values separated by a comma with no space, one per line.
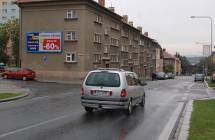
[123,93]
[110,93]
[82,91]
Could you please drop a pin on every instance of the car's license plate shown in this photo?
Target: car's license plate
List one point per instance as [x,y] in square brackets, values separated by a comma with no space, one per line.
[92,105]
[100,93]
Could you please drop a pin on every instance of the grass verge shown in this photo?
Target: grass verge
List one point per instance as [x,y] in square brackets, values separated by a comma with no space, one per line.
[8,95]
[202,125]
[210,83]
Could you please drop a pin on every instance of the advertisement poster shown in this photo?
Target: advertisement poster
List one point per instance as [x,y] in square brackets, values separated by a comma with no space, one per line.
[39,42]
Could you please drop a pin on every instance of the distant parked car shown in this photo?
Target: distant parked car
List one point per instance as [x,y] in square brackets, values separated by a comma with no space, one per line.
[199,77]
[24,74]
[161,76]
[171,75]
[112,89]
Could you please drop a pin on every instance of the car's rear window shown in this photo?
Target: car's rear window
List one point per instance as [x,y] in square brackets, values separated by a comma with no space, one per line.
[105,79]
[199,75]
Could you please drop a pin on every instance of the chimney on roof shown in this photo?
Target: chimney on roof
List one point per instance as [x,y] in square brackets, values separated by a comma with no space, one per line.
[131,23]
[102,3]
[112,9]
[146,34]
[140,28]
[125,18]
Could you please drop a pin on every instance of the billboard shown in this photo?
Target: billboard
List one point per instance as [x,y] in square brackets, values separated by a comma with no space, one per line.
[44,42]
[206,50]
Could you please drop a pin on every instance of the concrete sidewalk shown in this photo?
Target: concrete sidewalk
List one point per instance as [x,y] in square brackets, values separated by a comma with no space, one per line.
[9,88]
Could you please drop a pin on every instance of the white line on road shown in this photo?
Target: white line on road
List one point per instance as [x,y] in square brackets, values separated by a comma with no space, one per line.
[35,125]
[171,123]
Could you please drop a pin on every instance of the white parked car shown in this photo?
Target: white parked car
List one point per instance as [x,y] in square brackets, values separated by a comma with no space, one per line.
[112,89]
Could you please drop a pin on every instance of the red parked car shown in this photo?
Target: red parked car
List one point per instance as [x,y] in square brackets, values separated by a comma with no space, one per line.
[24,74]
[213,76]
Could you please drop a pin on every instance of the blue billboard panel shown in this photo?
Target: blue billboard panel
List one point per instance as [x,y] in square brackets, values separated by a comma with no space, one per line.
[37,42]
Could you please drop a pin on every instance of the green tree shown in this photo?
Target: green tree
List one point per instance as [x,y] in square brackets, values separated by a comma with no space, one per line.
[185,64]
[168,68]
[3,41]
[12,27]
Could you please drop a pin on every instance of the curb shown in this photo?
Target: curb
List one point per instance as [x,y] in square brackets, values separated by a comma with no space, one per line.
[14,98]
[59,82]
[183,129]
[168,133]
[174,130]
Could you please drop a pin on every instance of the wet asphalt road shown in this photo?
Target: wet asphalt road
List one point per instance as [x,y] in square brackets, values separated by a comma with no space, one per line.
[53,112]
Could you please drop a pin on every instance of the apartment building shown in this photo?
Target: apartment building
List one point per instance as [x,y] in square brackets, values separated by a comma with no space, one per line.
[171,62]
[8,10]
[63,40]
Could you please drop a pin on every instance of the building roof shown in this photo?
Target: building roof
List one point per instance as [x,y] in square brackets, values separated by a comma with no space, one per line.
[167,55]
[91,1]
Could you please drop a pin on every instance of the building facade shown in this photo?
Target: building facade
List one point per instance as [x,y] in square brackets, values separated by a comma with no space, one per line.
[63,40]
[8,10]
[171,63]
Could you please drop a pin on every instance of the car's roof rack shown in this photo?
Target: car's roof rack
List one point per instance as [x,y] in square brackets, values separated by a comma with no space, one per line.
[114,69]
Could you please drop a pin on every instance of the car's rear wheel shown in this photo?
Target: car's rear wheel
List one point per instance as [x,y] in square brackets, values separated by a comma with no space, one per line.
[142,103]
[24,78]
[5,76]
[128,111]
[89,109]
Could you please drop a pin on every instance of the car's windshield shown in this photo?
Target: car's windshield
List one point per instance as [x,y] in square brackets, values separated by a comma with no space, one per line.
[105,79]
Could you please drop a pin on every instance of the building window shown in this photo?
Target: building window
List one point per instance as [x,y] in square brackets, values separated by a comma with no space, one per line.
[106,30]
[98,19]
[96,58]
[114,58]
[97,38]
[12,3]
[125,33]
[4,18]
[106,49]
[130,55]
[114,42]
[4,3]
[13,10]
[12,17]
[115,26]
[4,11]
[71,57]
[141,43]
[124,48]
[136,38]
[71,14]
[71,35]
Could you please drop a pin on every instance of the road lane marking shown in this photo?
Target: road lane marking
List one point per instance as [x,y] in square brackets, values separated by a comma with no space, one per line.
[165,134]
[184,98]
[35,125]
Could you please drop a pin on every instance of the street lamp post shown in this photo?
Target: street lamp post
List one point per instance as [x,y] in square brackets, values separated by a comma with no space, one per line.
[205,55]
[211,21]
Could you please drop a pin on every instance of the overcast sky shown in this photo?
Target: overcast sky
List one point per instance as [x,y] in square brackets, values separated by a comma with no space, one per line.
[168,21]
